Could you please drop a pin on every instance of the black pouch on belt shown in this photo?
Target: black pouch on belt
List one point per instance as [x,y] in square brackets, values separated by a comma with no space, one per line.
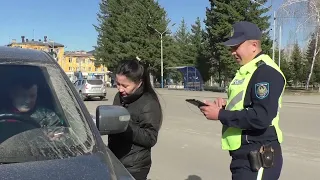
[267,156]
[255,160]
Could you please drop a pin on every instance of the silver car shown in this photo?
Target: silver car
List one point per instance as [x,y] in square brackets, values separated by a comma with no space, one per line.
[91,88]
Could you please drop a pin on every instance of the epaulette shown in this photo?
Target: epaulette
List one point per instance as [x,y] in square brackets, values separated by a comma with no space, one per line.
[259,63]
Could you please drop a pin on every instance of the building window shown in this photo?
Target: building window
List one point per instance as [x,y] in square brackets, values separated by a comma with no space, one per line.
[70,68]
[70,60]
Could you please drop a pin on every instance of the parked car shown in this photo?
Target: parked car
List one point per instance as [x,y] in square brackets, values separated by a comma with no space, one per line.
[91,88]
[28,149]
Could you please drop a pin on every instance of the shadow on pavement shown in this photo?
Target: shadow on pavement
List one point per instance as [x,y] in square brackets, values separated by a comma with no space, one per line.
[190,177]
[193,177]
[96,99]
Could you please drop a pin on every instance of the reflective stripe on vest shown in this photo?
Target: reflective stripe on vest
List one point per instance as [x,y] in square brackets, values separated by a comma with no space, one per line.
[231,137]
[235,100]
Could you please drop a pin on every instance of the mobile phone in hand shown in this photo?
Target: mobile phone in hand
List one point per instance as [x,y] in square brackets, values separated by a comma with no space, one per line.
[196,102]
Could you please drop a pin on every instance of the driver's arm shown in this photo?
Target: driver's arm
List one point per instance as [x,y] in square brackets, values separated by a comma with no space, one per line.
[48,118]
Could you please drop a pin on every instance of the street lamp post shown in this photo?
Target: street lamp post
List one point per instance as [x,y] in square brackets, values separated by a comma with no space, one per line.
[274,34]
[161,39]
[280,36]
[161,59]
[274,28]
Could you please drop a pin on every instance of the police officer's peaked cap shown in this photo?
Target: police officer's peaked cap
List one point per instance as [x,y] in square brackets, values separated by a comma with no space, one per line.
[243,31]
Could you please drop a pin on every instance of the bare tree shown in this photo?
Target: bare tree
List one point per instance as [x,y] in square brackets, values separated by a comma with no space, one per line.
[306,14]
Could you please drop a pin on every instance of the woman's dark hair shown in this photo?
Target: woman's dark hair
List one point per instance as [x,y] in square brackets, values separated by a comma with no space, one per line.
[136,71]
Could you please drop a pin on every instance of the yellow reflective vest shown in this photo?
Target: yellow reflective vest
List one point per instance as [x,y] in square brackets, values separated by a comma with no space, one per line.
[231,137]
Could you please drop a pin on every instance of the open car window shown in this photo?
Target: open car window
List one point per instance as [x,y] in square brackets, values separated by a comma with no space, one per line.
[50,127]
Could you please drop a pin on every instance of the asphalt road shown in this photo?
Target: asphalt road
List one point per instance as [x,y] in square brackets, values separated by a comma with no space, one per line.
[189,148]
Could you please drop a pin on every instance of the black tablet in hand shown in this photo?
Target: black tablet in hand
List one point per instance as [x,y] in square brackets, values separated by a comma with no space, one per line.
[196,102]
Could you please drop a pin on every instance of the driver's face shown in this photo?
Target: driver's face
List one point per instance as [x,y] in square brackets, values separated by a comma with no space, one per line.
[24,99]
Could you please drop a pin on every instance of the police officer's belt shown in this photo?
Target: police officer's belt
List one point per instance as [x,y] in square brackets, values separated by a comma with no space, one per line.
[256,138]
[268,134]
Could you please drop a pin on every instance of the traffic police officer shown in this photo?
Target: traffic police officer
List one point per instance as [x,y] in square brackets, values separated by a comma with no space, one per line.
[250,117]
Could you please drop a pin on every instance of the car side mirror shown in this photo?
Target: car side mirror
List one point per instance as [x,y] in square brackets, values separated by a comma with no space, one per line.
[112,119]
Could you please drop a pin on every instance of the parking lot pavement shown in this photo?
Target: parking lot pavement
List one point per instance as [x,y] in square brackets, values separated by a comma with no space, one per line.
[188,147]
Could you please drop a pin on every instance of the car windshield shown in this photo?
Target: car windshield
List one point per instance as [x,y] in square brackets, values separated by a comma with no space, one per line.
[95,82]
[40,119]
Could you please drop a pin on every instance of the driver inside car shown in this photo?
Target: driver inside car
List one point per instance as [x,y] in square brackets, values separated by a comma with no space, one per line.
[23,100]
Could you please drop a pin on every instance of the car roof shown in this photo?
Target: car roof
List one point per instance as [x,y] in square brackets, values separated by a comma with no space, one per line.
[20,54]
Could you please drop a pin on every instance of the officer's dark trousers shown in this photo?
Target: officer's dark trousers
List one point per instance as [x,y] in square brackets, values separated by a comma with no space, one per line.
[240,166]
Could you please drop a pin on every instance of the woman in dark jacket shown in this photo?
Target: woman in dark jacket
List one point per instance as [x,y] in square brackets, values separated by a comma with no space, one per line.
[133,147]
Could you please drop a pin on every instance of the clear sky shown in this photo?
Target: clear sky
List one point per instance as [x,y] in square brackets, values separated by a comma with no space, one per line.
[70,22]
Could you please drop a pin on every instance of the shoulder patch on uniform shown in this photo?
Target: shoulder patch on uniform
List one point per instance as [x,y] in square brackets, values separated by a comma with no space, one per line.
[262,90]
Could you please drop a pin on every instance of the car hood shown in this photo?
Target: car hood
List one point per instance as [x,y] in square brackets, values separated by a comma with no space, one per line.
[76,168]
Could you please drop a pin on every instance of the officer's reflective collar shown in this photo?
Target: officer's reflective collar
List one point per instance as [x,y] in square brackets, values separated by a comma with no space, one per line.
[249,67]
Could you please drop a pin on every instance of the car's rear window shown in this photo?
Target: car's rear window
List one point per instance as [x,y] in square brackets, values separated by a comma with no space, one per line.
[95,82]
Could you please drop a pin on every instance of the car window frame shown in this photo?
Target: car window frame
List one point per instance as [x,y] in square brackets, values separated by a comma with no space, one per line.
[74,95]
[84,111]
[54,95]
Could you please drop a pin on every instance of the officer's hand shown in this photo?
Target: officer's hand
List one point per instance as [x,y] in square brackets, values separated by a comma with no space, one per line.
[211,111]
[220,102]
